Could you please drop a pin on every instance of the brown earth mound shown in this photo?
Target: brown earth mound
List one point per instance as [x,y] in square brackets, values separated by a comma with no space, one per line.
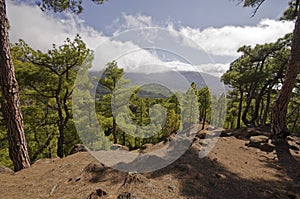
[233,169]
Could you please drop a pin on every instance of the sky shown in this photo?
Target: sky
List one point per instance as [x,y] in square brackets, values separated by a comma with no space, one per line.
[150,36]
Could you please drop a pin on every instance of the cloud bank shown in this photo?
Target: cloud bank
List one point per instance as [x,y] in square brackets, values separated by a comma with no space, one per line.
[41,30]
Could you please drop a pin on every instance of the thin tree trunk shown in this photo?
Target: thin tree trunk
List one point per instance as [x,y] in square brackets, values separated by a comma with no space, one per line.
[296,120]
[61,138]
[266,111]
[11,101]
[204,119]
[279,109]
[115,131]
[240,109]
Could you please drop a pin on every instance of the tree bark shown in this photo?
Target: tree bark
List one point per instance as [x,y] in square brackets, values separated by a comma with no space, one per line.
[240,108]
[280,106]
[11,107]
[115,131]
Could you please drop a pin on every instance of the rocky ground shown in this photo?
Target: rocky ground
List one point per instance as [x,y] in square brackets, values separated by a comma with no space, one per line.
[243,164]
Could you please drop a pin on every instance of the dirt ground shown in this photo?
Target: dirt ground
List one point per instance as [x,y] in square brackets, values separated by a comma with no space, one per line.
[231,170]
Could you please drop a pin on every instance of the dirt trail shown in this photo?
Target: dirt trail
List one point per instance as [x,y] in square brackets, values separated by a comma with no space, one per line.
[231,170]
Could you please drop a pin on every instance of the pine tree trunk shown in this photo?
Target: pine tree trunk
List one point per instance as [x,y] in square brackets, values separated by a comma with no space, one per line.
[115,131]
[11,107]
[240,109]
[279,109]
[204,119]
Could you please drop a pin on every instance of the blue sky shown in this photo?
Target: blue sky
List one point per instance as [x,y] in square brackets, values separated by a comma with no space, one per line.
[205,33]
[193,13]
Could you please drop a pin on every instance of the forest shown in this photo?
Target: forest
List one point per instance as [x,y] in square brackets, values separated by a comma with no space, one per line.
[47,81]
[256,79]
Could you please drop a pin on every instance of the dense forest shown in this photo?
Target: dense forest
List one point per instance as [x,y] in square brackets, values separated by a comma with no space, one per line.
[263,74]
[46,85]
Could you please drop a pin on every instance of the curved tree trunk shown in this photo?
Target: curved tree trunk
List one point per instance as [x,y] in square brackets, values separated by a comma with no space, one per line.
[11,104]
[279,109]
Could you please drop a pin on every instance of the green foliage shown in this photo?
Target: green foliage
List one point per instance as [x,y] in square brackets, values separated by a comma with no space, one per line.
[46,85]
[4,155]
[74,6]
[256,77]
[205,102]
[292,11]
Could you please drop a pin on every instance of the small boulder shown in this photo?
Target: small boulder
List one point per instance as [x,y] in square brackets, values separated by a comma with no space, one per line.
[220,176]
[171,187]
[119,147]
[201,135]
[259,139]
[78,148]
[94,167]
[5,170]
[293,147]
[135,178]
[261,142]
[126,195]
[266,147]
[99,193]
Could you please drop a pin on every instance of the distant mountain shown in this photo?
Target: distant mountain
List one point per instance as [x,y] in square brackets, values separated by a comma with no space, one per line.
[172,80]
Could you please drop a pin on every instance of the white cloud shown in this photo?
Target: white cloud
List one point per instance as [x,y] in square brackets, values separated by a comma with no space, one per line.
[226,40]
[41,30]
[137,21]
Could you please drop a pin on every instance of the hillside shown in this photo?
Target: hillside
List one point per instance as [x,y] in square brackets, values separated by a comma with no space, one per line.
[231,170]
[173,80]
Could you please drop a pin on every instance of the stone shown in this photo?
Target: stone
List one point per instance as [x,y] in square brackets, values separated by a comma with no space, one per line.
[259,139]
[78,148]
[5,170]
[126,195]
[99,193]
[201,135]
[171,187]
[220,175]
[293,147]
[119,147]
[94,167]
[267,147]
[135,178]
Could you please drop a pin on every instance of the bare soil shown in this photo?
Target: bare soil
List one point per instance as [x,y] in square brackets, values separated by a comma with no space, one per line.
[231,170]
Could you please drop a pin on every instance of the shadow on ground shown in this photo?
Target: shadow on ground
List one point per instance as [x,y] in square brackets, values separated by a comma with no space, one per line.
[206,178]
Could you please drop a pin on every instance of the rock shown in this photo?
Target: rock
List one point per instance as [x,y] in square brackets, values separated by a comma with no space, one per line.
[201,135]
[119,147]
[78,148]
[77,179]
[126,195]
[171,187]
[290,138]
[94,167]
[293,147]
[267,147]
[5,170]
[147,148]
[99,193]
[220,175]
[225,134]
[260,142]
[170,138]
[135,178]
[244,148]
[259,139]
